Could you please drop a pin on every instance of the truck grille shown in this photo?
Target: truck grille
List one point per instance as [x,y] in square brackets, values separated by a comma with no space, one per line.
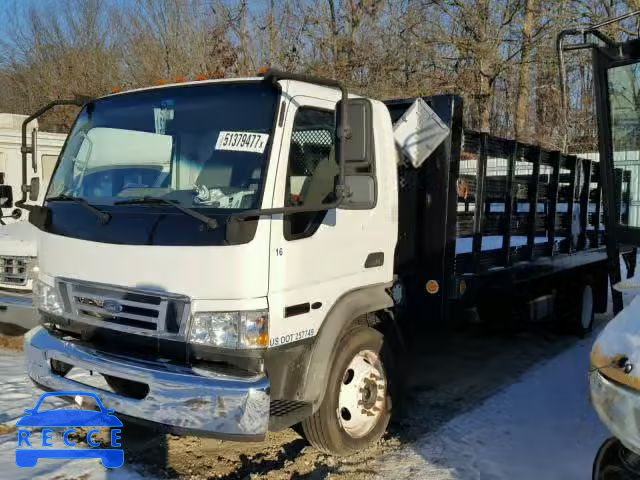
[14,270]
[135,311]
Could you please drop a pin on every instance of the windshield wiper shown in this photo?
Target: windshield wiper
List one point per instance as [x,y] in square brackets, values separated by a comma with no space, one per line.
[103,217]
[212,223]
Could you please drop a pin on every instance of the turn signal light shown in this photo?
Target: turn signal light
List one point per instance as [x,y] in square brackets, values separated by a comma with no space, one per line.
[262,340]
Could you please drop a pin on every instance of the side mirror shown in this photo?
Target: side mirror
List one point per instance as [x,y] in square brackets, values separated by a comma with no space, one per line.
[34,189]
[358,154]
[357,148]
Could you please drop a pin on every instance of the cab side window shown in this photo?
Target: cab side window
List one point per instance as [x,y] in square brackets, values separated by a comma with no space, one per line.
[312,170]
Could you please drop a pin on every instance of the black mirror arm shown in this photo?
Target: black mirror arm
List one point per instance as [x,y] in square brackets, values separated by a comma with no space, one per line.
[25,149]
[259,212]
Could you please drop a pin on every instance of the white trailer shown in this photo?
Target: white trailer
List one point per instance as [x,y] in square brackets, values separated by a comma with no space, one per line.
[17,236]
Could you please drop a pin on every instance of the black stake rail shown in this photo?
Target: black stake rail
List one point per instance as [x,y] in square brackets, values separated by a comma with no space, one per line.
[553,198]
[585,190]
[533,204]
[478,220]
[597,217]
[573,169]
[508,207]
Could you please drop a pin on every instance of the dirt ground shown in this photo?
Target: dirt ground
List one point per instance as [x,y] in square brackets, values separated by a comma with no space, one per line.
[450,375]
[11,343]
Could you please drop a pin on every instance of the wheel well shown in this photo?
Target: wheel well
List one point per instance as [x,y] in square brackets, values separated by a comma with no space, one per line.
[369,319]
[361,307]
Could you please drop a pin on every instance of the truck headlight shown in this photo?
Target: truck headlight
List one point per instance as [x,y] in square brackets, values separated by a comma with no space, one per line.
[46,298]
[239,330]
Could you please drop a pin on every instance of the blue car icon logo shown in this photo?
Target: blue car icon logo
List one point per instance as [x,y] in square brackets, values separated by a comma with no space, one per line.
[68,418]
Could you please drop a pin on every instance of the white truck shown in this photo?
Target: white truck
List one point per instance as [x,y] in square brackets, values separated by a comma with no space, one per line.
[17,236]
[244,255]
[614,376]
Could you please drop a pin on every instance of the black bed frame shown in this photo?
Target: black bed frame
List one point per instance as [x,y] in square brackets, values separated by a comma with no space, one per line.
[455,194]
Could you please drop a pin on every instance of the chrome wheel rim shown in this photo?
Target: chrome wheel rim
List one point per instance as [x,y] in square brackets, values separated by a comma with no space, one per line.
[363,394]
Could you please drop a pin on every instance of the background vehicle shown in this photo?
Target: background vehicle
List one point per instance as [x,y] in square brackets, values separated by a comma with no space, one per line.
[615,385]
[47,145]
[278,267]
[18,237]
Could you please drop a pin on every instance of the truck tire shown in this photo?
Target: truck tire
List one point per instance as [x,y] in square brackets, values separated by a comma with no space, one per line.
[584,321]
[356,407]
[614,462]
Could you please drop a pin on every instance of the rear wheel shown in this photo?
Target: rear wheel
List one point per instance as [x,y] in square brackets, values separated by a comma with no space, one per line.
[356,407]
[584,321]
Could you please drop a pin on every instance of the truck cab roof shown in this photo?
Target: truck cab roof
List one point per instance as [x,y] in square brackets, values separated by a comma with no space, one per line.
[185,84]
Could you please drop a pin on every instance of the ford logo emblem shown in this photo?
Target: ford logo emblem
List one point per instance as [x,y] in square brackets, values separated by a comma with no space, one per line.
[112,306]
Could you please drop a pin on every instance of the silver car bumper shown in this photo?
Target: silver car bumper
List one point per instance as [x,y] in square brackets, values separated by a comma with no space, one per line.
[16,308]
[180,399]
[619,409]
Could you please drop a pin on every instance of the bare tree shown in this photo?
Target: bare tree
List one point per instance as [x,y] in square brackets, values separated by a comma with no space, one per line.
[524,70]
[497,54]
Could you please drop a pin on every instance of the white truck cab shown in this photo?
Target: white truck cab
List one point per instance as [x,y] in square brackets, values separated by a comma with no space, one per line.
[17,236]
[200,227]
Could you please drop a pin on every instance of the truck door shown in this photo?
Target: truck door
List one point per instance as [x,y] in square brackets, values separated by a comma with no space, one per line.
[617,87]
[317,257]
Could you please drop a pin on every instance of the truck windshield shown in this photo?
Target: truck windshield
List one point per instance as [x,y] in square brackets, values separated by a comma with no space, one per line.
[200,146]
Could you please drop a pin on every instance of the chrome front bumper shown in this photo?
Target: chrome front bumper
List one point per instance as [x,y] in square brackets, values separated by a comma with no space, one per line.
[619,409]
[180,399]
[16,308]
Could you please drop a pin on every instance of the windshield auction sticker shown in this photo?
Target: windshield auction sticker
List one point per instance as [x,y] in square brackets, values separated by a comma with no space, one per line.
[242,141]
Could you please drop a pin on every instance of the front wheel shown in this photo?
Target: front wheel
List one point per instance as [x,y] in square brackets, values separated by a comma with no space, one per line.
[356,407]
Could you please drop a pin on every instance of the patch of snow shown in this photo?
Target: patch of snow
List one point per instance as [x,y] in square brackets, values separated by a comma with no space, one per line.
[542,427]
[17,392]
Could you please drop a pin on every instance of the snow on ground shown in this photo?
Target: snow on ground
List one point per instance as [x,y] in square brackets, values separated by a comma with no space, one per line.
[542,427]
[18,393]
